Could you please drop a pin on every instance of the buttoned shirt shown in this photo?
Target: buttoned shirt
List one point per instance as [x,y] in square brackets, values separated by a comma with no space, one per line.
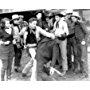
[62,28]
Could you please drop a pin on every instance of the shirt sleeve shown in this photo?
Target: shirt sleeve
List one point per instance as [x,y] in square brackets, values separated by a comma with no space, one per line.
[65,28]
[43,32]
[23,30]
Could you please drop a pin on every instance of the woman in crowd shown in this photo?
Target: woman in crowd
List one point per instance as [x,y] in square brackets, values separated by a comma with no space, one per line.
[6,48]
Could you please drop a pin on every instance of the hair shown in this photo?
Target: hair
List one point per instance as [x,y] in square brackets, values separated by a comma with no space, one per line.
[43,14]
[2,23]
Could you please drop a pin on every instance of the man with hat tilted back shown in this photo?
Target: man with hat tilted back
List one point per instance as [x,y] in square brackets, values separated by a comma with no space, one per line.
[18,29]
[61,31]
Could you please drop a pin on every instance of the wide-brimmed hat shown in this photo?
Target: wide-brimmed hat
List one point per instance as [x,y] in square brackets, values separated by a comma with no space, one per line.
[76,14]
[69,11]
[50,15]
[60,14]
[16,16]
[37,12]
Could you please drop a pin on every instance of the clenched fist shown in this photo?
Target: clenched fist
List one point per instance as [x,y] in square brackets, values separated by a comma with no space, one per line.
[52,36]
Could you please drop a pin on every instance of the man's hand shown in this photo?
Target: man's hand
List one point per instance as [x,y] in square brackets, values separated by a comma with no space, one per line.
[52,36]
[14,41]
[38,39]
[25,46]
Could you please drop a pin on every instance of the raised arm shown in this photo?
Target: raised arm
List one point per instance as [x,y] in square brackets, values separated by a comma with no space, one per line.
[44,33]
[23,30]
[25,36]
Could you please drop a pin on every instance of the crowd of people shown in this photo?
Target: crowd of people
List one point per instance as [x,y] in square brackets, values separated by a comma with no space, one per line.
[56,37]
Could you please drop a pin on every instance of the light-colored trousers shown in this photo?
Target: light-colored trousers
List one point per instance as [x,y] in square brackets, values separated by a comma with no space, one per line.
[63,49]
[31,65]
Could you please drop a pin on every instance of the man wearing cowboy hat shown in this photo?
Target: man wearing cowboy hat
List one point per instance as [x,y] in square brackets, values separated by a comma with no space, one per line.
[17,40]
[78,41]
[61,31]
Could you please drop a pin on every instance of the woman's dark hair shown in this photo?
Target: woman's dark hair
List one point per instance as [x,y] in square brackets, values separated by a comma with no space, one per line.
[43,14]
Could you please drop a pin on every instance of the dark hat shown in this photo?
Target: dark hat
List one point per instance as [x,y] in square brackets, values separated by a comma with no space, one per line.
[50,15]
[32,19]
[38,12]
[59,14]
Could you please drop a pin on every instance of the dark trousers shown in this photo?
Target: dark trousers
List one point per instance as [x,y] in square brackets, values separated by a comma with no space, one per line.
[69,53]
[75,48]
[18,54]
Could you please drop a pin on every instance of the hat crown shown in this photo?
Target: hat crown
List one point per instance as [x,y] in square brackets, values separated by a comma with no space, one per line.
[76,14]
[15,16]
[63,13]
[69,11]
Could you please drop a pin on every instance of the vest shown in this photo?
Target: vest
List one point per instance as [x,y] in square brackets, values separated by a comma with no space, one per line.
[31,37]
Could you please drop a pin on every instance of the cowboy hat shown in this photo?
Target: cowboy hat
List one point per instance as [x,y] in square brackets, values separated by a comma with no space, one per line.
[69,11]
[49,15]
[16,16]
[60,14]
[76,14]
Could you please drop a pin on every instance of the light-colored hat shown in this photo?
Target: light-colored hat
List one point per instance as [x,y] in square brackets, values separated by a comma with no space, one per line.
[63,13]
[76,14]
[69,11]
[15,16]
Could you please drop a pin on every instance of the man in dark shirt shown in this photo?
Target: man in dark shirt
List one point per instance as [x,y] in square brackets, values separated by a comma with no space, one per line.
[78,41]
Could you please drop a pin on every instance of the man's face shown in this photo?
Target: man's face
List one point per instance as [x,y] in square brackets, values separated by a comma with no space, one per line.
[68,16]
[21,19]
[74,19]
[16,21]
[32,24]
[57,18]
[7,23]
[47,19]
[39,16]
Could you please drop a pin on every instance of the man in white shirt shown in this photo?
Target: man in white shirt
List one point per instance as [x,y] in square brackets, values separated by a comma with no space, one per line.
[61,31]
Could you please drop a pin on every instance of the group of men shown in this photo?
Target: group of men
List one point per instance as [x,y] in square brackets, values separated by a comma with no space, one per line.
[64,28]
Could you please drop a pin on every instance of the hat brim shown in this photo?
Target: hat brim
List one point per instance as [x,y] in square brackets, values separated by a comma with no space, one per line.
[76,17]
[16,19]
[50,16]
[60,15]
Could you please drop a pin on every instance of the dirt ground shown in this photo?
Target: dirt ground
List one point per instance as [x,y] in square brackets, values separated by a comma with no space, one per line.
[70,76]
